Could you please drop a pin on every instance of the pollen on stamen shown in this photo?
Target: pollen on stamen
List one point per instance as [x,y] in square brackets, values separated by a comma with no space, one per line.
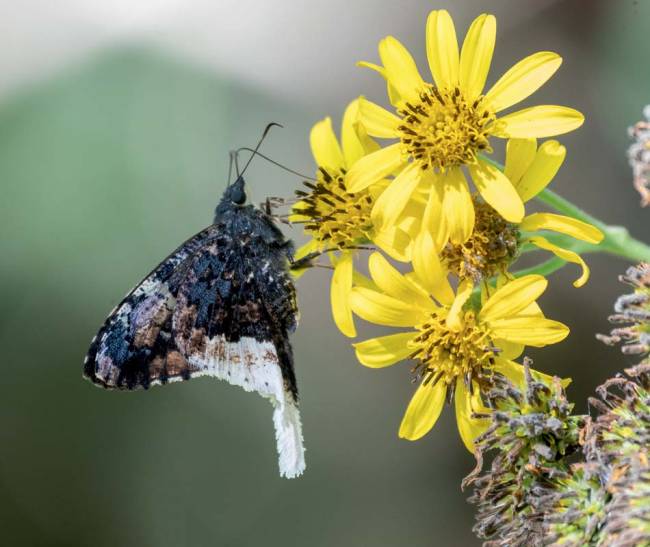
[445,355]
[444,130]
[333,215]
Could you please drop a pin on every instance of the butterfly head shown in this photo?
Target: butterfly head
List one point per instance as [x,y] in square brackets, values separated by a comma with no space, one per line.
[235,194]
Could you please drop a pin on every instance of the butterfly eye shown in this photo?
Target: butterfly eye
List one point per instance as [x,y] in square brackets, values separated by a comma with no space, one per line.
[238,196]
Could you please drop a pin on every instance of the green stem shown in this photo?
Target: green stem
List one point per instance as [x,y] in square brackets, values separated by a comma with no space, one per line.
[545,268]
[617,240]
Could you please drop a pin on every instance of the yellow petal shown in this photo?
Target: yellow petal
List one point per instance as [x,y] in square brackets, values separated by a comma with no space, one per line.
[307,248]
[538,122]
[400,67]
[385,350]
[497,190]
[520,154]
[454,317]
[563,224]
[377,120]
[466,404]
[374,167]
[394,284]
[523,79]
[433,219]
[529,330]
[361,280]
[541,171]
[380,309]
[354,138]
[457,206]
[508,350]
[395,98]
[513,297]
[340,290]
[476,55]
[392,202]
[442,49]
[429,271]
[409,223]
[532,309]
[395,242]
[564,254]
[423,411]
[324,145]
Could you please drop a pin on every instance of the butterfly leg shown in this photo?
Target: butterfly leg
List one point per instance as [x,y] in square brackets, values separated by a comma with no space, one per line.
[305,261]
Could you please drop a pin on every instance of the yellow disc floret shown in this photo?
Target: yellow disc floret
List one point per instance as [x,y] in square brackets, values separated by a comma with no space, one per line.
[331,214]
[443,129]
[488,251]
[445,355]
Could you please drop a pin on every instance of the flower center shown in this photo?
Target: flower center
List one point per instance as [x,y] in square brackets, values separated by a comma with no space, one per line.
[444,130]
[446,355]
[333,215]
[490,249]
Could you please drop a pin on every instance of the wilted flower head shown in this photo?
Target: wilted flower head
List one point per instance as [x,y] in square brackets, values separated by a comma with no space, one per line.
[532,430]
[618,442]
[633,314]
[574,507]
[639,156]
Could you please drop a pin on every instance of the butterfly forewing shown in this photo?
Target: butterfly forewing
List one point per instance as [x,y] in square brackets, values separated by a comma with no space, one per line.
[134,348]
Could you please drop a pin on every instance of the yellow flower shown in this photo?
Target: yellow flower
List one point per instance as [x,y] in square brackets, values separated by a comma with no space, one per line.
[337,220]
[494,243]
[448,124]
[455,345]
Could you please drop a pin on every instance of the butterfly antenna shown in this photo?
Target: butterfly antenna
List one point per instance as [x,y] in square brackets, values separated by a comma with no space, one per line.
[233,155]
[264,133]
[256,153]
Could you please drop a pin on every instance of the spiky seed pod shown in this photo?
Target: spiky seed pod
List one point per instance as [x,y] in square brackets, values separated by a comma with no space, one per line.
[531,434]
[639,156]
[574,508]
[628,520]
[618,442]
[633,313]
[533,494]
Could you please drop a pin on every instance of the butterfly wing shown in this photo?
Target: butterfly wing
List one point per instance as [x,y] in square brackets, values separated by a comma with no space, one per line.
[235,309]
[221,305]
[135,347]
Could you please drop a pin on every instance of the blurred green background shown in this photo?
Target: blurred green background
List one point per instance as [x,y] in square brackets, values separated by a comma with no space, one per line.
[110,157]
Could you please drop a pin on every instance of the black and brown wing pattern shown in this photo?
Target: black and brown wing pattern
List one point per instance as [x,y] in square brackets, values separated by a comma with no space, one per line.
[135,347]
[234,312]
[222,305]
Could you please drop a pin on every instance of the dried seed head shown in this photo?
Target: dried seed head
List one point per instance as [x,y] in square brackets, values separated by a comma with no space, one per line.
[531,433]
[488,251]
[633,314]
[639,156]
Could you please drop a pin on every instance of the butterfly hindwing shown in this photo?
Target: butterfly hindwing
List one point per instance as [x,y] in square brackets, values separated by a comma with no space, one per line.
[233,308]
[234,311]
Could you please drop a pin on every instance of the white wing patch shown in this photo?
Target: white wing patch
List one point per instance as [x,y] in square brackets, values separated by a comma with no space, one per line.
[254,366]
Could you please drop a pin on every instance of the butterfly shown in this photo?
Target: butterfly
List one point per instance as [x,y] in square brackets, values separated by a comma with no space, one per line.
[221,305]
